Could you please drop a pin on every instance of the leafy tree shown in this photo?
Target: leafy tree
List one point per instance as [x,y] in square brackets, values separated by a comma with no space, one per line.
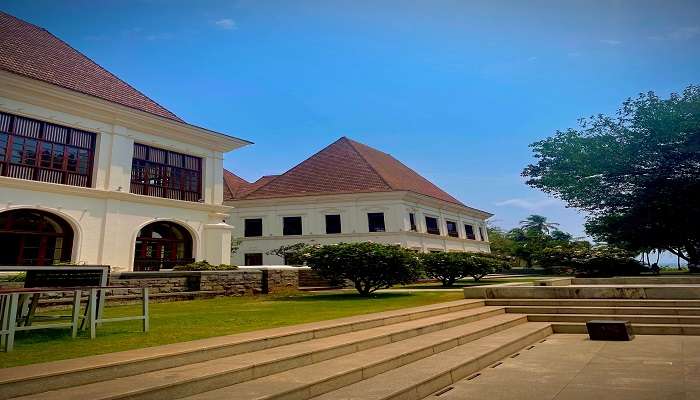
[292,254]
[443,266]
[637,174]
[528,243]
[538,223]
[369,266]
[500,242]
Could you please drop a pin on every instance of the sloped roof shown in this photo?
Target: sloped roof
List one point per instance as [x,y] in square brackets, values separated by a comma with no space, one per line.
[345,166]
[31,51]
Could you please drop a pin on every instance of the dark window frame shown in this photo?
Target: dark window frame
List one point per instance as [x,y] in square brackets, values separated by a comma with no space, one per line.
[469,232]
[22,153]
[412,222]
[336,225]
[375,226]
[429,229]
[287,229]
[452,232]
[254,256]
[252,231]
[157,172]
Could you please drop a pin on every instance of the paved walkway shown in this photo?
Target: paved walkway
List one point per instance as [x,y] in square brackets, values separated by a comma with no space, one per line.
[571,367]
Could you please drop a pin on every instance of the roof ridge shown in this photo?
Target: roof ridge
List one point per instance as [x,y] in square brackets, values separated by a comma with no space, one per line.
[173,116]
[278,176]
[352,144]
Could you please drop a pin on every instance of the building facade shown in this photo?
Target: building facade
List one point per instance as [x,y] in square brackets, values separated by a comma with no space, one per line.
[94,172]
[348,192]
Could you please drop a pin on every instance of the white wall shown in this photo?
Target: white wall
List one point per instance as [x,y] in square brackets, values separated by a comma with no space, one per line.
[105,217]
[353,210]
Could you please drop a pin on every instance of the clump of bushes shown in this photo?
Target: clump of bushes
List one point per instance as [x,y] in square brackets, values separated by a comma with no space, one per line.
[204,266]
[595,261]
[449,267]
[369,266]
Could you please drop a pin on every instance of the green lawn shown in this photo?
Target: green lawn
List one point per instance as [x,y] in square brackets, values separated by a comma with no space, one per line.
[187,320]
[471,282]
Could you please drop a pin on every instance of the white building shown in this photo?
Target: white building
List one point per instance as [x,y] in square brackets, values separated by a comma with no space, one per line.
[348,192]
[92,171]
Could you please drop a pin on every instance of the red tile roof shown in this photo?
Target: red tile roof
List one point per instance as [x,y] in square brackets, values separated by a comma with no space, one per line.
[28,50]
[345,166]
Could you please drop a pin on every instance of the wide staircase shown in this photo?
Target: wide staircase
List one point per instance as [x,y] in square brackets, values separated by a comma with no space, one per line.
[401,354]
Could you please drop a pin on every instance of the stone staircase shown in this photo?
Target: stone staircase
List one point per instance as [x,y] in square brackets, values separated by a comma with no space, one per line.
[401,354]
[648,317]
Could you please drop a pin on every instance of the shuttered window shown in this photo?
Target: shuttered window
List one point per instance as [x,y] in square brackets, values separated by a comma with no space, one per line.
[163,173]
[42,151]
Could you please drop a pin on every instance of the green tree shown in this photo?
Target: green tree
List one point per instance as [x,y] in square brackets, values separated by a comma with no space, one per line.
[637,174]
[369,266]
[538,223]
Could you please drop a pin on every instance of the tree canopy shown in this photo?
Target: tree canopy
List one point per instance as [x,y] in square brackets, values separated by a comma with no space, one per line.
[637,174]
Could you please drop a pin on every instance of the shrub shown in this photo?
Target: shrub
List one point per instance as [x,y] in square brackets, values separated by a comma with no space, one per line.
[204,266]
[482,264]
[293,254]
[21,277]
[597,261]
[443,266]
[369,266]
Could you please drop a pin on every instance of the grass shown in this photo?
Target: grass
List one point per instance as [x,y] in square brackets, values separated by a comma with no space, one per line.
[471,282]
[196,319]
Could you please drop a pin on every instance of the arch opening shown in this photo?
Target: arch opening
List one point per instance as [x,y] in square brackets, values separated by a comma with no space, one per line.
[162,245]
[34,237]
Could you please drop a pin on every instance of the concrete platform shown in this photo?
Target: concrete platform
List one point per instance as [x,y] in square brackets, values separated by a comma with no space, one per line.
[571,367]
[668,292]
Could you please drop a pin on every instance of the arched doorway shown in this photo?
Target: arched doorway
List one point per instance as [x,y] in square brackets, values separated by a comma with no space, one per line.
[34,237]
[161,245]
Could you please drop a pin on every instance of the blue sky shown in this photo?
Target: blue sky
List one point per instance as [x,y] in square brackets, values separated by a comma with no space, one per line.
[455,89]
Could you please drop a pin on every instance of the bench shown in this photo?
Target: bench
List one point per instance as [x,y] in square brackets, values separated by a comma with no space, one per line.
[12,320]
[609,330]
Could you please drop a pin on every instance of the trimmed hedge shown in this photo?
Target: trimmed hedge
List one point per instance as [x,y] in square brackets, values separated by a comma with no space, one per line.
[204,266]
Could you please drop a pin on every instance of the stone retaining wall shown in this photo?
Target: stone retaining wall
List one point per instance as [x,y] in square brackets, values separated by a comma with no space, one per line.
[240,282]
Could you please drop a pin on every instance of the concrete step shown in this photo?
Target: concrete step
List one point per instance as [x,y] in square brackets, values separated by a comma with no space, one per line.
[223,371]
[593,303]
[655,292]
[689,311]
[638,329]
[634,319]
[420,378]
[38,378]
[316,379]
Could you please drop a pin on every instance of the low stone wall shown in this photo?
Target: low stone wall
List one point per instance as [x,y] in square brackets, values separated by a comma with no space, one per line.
[190,284]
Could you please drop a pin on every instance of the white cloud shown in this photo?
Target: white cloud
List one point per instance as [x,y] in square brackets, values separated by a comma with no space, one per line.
[226,23]
[530,205]
[611,42]
[681,33]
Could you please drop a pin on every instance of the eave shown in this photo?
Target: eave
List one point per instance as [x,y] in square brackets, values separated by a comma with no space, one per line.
[57,98]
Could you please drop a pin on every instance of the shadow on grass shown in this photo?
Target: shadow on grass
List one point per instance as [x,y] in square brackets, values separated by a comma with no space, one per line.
[353,296]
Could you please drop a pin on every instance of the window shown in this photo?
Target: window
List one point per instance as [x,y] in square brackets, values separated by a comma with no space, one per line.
[469,231]
[376,222]
[452,229]
[40,151]
[253,227]
[291,226]
[412,221]
[333,224]
[162,173]
[481,233]
[253,259]
[431,225]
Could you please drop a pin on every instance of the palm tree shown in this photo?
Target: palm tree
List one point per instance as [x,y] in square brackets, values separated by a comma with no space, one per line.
[538,223]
